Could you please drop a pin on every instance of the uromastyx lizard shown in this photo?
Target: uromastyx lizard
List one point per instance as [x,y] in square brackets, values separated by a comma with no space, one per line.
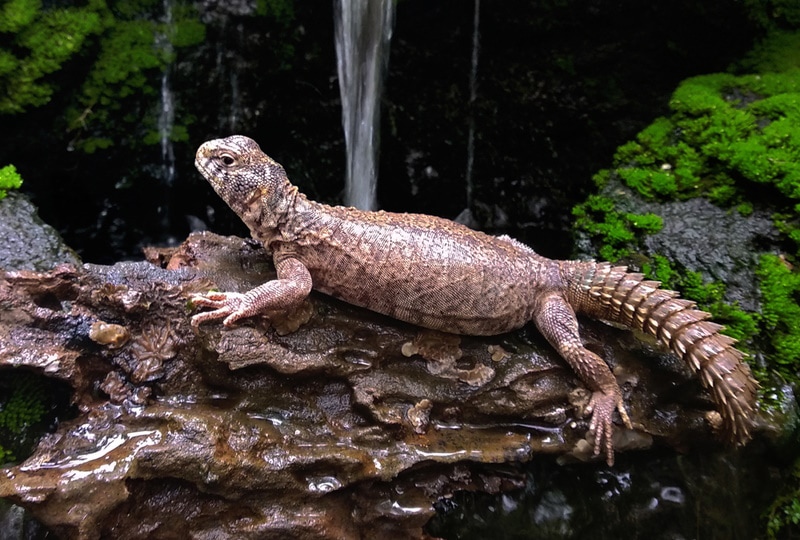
[439,274]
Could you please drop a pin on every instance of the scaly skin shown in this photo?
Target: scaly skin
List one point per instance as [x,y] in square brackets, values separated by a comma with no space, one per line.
[441,275]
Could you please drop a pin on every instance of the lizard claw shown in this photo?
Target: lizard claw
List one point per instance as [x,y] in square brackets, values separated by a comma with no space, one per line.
[602,407]
[226,304]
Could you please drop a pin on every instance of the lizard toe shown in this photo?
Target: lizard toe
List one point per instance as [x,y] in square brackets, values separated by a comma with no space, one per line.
[602,408]
[228,305]
[216,299]
[200,318]
[231,316]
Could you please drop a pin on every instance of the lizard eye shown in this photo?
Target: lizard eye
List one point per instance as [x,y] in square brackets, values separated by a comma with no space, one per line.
[227,159]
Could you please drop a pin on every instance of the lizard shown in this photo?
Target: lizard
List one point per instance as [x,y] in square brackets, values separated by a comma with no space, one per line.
[441,275]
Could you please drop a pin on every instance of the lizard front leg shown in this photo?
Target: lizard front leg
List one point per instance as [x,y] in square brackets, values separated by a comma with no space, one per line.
[291,288]
[556,321]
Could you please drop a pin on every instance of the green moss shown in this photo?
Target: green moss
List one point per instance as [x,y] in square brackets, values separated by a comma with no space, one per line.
[779,52]
[9,179]
[17,14]
[783,516]
[780,290]
[92,144]
[778,323]
[128,67]
[188,32]
[23,407]
[179,134]
[615,230]
[127,53]
[6,456]
[725,131]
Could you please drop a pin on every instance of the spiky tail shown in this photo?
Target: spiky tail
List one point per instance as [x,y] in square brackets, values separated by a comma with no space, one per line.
[612,293]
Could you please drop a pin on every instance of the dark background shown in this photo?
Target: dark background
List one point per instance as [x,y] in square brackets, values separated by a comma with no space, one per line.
[560,85]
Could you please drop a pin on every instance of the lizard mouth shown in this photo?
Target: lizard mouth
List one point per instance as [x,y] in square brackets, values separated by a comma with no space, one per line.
[201,163]
[202,160]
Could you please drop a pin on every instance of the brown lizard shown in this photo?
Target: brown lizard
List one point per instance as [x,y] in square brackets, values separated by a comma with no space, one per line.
[442,275]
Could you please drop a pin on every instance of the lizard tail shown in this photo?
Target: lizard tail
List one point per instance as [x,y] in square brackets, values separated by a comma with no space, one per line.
[612,293]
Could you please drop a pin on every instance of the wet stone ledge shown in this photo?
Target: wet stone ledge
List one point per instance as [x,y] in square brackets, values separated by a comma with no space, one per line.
[328,422]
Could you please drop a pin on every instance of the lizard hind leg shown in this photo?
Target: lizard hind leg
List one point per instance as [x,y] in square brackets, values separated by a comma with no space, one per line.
[556,320]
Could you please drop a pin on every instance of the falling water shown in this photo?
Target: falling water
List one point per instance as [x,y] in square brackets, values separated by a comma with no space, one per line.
[228,65]
[235,106]
[166,117]
[473,95]
[363,34]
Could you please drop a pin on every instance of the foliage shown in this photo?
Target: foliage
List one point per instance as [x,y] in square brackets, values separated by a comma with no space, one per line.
[127,57]
[783,519]
[724,132]
[9,179]
[35,43]
[773,14]
[21,410]
[124,47]
[281,10]
[780,52]
[134,49]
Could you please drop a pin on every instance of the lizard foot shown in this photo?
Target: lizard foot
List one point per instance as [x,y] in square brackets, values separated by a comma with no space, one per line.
[602,407]
[233,306]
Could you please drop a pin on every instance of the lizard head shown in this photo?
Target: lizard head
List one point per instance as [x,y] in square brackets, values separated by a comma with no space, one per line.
[239,171]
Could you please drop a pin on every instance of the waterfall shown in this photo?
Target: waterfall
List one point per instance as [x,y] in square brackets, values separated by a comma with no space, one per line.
[236,101]
[363,31]
[166,116]
[228,64]
[473,96]
[166,120]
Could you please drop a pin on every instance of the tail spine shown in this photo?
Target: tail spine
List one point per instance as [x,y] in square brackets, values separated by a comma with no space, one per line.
[612,293]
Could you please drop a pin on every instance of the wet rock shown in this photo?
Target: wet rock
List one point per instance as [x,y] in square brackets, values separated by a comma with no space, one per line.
[328,431]
[700,236]
[28,242]
[654,495]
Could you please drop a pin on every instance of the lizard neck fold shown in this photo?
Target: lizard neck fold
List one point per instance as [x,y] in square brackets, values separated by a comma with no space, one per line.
[309,223]
[271,215]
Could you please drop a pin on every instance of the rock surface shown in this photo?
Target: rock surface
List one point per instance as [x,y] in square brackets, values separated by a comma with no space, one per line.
[699,236]
[28,243]
[330,422]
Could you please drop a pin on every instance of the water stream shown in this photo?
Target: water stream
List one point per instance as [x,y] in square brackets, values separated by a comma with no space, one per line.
[166,116]
[227,65]
[363,31]
[473,96]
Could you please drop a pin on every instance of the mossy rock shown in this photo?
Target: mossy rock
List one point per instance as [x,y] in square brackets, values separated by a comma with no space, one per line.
[22,408]
[31,405]
[707,200]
